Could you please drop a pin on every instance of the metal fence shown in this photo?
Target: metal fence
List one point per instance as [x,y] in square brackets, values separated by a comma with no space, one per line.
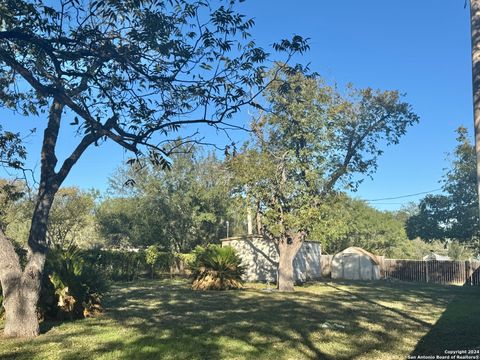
[431,271]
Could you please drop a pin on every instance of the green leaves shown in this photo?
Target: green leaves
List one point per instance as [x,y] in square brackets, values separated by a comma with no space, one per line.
[72,283]
[309,143]
[12,151]
[175,210]
[152,255]
[455,214]
[126,70]
[216,268]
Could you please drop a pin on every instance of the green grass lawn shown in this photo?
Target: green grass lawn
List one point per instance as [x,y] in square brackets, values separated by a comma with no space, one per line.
[357,320]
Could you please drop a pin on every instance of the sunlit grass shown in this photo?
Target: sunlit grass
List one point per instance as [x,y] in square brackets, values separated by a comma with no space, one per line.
[166,320]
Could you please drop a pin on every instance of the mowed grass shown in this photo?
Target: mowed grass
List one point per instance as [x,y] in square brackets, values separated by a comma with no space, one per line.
[357,320]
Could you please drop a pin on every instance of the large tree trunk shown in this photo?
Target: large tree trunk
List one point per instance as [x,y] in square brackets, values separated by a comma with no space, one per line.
[475,34]
[20,293]
[21,289]
[287,250]
[20,303]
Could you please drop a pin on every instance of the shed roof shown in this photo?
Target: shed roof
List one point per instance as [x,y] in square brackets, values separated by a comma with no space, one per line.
[434,256]
[359,251]
[249,237]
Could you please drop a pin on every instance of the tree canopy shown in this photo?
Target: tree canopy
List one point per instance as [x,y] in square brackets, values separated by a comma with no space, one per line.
[176,210]
[454,214]
[310,142]
[132,72]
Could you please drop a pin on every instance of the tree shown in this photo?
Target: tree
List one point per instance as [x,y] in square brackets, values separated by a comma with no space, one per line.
[310,141]
[453,215]
[417,249]
[458,251]
[71,220]
[151,257]
[175,210]
[10,193]
[475,34]
[131,72]
[355,223]
[120,221]
[430,223]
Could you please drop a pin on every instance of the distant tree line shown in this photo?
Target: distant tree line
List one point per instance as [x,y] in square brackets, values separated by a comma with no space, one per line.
[190,205]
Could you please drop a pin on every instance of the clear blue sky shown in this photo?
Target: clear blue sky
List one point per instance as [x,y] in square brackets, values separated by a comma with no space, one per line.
[421,48]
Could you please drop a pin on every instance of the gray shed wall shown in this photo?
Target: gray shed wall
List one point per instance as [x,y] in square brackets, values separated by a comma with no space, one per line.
[260,257]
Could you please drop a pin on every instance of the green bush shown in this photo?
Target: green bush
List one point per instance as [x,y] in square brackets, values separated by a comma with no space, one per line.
[117,265]
[71,287]
[158,260]
[216,268]
[81,274]
[187,259]
[124,265]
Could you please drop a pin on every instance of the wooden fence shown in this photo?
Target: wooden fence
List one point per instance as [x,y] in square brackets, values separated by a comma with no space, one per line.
[436,272]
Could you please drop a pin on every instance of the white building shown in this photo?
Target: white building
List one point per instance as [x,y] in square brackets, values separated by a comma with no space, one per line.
[260,258]
[355,263]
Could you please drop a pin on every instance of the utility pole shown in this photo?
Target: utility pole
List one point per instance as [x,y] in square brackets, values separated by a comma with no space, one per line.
[475,33]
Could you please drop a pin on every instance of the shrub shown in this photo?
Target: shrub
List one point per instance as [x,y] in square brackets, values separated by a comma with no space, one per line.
[117,265]
[71,288]
[188,259]
[158,260]
[182,263]
[216,268]
[151,257]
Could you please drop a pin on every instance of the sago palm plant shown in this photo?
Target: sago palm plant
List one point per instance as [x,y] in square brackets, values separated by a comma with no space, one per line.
[216,268]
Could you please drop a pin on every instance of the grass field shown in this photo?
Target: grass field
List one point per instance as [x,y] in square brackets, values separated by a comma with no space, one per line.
[360,320]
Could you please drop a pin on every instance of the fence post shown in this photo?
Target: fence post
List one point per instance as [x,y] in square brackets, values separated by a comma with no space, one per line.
[381,260]
[426,270]
[468,272]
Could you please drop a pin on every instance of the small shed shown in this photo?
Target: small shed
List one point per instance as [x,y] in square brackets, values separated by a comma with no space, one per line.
[355,263]
[433,256]
[260,258]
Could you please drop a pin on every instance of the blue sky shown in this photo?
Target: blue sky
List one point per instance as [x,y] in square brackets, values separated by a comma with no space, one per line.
[421,48]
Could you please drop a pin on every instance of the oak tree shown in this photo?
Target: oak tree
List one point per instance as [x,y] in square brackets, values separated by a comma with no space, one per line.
[311,141]
[127,71]
[454,214]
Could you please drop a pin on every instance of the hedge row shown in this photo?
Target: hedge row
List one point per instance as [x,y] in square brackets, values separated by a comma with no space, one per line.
[117,265]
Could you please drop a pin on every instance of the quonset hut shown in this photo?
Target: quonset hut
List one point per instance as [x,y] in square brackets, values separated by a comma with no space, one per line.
[355,263]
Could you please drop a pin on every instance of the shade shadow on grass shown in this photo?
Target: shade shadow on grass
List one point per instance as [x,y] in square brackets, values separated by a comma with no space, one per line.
[166,320]
[456,329]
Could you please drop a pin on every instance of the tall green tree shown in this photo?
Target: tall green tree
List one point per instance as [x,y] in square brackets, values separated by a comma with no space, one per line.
[10,193]
[121,219]
[71,221]
[349,222]
[130,72]
[311,141]
[453,215]
[176,210]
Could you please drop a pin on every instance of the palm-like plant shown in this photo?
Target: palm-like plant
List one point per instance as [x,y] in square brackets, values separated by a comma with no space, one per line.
[216,268]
